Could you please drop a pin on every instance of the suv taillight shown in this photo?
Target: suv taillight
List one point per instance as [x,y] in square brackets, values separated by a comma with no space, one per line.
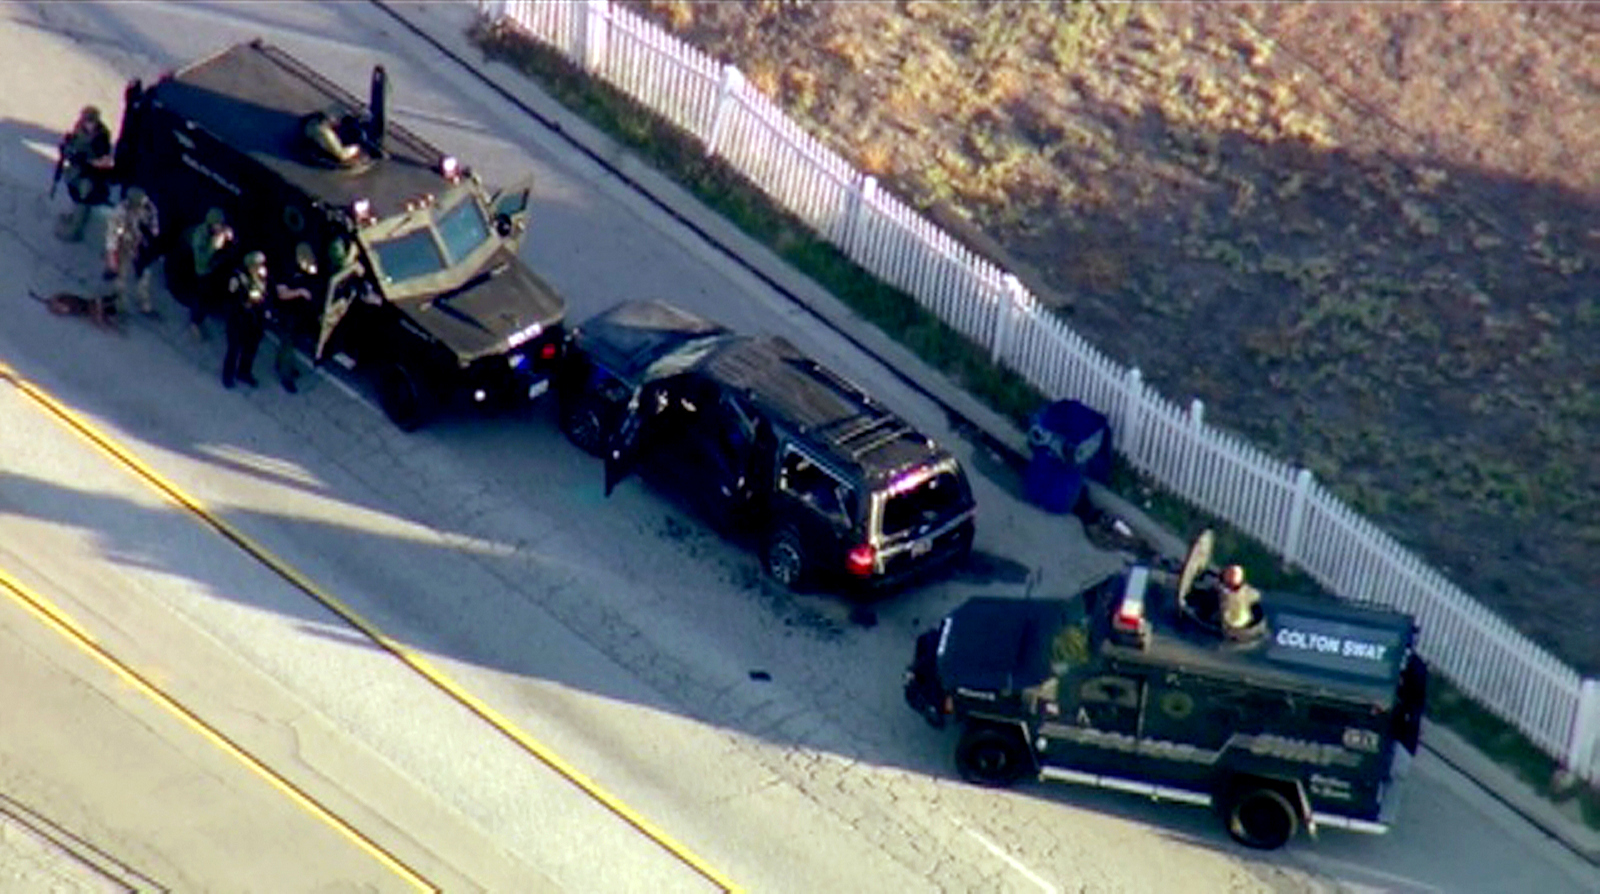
[862,560]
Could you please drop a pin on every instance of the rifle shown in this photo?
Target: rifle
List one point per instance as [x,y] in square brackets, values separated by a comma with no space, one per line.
[61,165]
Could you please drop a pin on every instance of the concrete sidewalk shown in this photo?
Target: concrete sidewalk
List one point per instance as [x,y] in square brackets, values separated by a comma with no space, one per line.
[445,26]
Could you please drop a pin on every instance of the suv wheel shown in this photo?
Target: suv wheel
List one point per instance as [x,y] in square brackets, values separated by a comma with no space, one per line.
[403,399]
[990,756]
[580,421]
[786,559]
[1261,818]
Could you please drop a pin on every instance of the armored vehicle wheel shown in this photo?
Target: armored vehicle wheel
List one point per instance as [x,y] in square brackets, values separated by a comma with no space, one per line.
[581,422]
[786,559]
[1261,818]
[403,397]
[989,756]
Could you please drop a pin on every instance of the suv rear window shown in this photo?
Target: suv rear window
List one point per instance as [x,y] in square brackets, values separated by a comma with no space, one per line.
[932,500]
[815,486]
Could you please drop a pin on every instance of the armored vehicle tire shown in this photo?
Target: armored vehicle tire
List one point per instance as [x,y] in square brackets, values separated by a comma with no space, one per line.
[580,421]
[1261,818]
[785,559]
[404,398]
[990,756]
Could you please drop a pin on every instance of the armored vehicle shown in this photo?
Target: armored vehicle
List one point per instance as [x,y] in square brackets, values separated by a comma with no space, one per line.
[766,442]
[421,284]
[1307,716]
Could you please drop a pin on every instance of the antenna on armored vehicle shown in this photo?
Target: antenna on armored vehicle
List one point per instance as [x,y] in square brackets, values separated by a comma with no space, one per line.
[378,109]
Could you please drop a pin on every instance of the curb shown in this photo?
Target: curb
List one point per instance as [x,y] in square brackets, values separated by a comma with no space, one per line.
[1551,819]
[993,430]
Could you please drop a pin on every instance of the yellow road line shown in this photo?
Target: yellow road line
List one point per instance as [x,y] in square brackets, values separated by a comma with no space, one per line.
[58,620]
[416,662]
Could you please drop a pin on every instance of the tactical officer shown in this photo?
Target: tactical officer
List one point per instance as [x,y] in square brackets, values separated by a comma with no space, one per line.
[87,163]
[291,299]
[131,236]
[1237,600]
[211,250]
[246,318]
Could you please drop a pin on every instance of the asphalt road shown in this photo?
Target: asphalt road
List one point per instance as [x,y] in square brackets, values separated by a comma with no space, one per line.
[617,632]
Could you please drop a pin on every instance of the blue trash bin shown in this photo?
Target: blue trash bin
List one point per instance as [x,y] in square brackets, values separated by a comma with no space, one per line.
[1070,442]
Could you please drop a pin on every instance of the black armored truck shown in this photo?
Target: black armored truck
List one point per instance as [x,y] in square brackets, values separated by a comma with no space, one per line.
[767,443]
[1308,715]
[421,286]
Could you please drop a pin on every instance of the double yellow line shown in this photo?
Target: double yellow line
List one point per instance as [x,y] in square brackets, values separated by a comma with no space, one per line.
[53,617]
[411,659]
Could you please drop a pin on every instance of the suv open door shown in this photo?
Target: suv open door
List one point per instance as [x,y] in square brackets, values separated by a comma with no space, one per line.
[622,453]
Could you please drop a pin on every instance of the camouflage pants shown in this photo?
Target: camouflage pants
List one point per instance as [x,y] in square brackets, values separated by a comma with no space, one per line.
[133,282]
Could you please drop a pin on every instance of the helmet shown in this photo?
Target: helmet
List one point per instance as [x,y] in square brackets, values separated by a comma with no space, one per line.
[89,113]
[305,258]
[136,196]
[1233,576]
[339,252]
[215,218]
[256,262]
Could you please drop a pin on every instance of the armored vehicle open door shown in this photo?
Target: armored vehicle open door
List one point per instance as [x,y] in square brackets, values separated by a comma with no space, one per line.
[510,209]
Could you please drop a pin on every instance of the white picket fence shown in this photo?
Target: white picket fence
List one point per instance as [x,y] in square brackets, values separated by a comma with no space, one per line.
[1278,504]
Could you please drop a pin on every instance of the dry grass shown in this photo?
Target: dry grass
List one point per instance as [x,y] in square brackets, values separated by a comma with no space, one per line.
[1374,227]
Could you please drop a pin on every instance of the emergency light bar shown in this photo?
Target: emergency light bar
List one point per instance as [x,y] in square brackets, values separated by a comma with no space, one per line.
[1129,622]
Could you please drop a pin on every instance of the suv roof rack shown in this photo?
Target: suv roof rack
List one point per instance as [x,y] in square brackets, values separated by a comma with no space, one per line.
[872,434]
[820,404]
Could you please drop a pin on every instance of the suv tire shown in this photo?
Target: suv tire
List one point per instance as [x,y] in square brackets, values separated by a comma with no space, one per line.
[990,756]
[580,422]
[1261,817]
[403,398]
[785,559]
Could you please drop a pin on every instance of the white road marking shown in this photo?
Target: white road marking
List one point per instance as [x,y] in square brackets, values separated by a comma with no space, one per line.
[1013,862]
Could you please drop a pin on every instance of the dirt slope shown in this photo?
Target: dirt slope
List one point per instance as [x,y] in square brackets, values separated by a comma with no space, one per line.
[1372,229]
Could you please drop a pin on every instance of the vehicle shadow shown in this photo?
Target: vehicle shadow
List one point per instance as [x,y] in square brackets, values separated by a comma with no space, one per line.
[28,151]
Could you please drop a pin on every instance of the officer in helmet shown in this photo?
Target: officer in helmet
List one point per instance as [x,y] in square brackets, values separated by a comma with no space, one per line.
[131,247]
[1237,601]
[87,163]
[246,319]
[291,307]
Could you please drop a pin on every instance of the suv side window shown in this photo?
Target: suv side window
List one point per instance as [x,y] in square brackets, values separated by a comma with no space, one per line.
[813,485]
[735,432]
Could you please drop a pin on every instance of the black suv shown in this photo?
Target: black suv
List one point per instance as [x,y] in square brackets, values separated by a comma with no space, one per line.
[764,440]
